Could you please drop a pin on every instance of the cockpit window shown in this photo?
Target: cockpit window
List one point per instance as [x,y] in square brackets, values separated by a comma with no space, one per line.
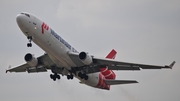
[26,14]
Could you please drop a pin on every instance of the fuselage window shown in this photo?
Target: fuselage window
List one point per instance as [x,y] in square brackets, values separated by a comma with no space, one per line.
[34,23]
[26,14]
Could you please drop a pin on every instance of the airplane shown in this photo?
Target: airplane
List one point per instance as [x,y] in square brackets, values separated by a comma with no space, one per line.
[63,59]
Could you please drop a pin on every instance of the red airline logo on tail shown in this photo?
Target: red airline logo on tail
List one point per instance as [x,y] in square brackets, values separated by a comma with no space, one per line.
[111,55]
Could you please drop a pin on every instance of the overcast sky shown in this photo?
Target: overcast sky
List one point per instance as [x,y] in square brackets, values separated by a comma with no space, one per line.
[141,31]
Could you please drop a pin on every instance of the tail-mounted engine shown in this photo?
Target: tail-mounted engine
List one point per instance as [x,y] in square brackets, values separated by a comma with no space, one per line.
[85,58]
[31,60]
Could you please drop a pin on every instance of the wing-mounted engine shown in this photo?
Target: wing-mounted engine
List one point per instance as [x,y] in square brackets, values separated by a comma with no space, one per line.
[31,60]
[85,58]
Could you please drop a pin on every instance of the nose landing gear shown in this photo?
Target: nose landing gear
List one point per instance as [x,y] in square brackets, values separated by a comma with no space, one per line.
[30,39]
[29,44]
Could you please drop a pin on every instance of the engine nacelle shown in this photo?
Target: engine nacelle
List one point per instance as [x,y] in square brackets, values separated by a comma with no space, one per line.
[85,58]
[31,60]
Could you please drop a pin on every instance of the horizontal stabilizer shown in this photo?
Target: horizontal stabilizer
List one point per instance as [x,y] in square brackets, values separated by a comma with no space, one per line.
[117,82]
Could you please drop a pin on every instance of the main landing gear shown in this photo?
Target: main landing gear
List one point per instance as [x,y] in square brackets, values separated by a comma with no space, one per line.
[83,76]
[55,76]
[70,76]
[30,39]
[80,74]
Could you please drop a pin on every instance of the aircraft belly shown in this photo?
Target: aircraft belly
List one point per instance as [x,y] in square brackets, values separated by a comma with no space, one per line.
[59,51]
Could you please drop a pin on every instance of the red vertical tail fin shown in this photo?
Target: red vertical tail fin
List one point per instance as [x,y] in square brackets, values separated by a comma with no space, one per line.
[109,74]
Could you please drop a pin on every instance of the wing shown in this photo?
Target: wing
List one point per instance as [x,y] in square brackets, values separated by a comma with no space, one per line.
[113,65]
[117,65]
[44,63]
[21,68]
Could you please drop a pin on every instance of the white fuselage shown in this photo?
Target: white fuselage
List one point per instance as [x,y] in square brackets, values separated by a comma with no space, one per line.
[54,45]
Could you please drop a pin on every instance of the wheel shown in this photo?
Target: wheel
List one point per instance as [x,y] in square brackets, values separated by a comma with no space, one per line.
[27,44]
[68,77]
[51,76]
[71,76]
[83,75]
[80,74]
[58,77]
[29,37]
[30,44]
[54,79]
[86,77]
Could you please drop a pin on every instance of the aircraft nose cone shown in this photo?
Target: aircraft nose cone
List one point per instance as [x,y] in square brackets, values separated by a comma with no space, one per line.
[22,22]
[19,18]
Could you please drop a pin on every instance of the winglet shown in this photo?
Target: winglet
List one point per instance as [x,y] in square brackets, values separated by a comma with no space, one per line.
[171,65]
[8,68]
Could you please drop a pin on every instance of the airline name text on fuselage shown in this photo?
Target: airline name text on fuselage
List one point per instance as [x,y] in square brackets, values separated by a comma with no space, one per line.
[62,40]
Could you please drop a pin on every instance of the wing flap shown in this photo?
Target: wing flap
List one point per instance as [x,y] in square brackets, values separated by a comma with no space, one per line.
[121,67]
[117,82]
[36,70]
